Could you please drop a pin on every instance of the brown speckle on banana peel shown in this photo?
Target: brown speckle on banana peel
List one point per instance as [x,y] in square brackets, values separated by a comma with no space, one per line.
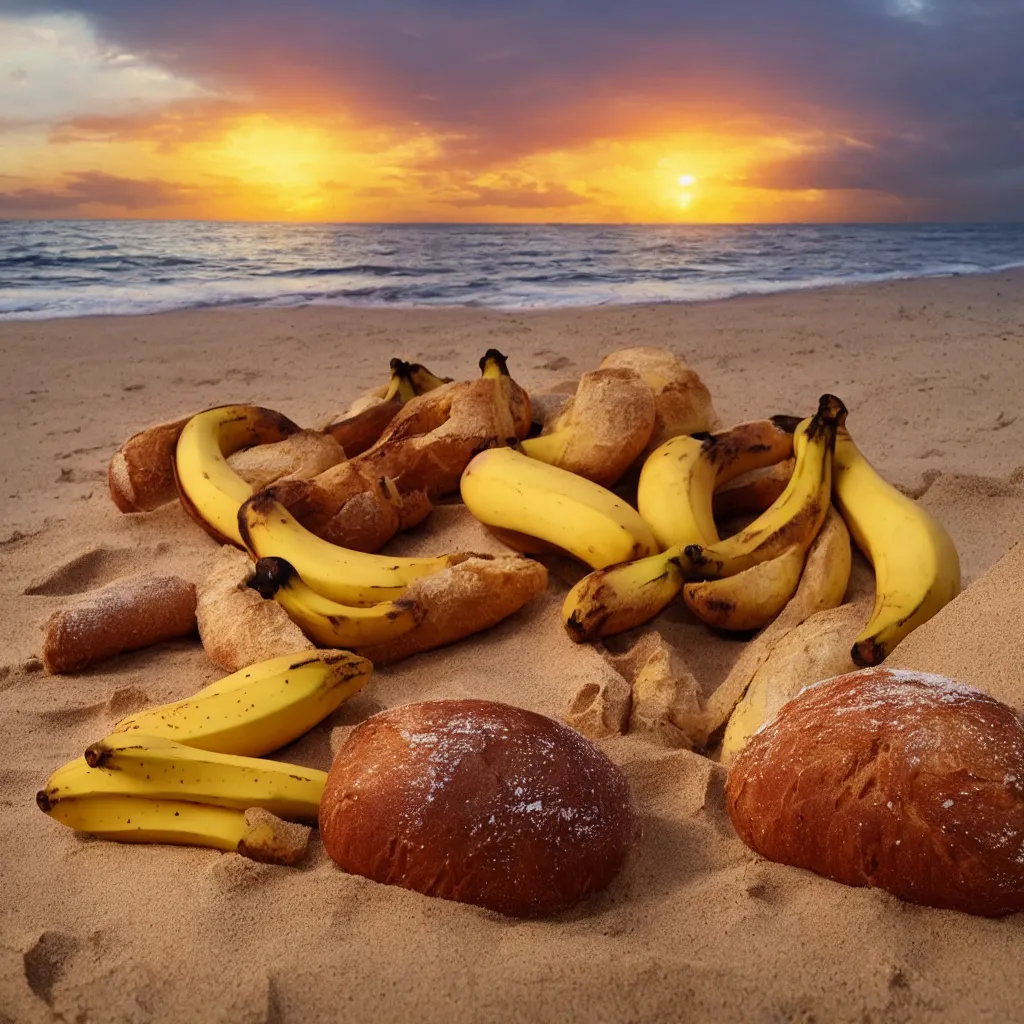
[683,401]
[141,471]
[609,423]
[461,600]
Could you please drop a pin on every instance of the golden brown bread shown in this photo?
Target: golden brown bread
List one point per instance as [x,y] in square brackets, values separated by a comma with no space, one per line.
[683,401]
[478,802]
[461,600]
[141,471]
[602,430]
[298,457]
[910,782]
[125,616]
[362,503]
[361,429]
[237,627]
[752,492]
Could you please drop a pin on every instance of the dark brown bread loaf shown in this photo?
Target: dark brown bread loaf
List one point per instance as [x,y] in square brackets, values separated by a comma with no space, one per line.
[897,779]
[478,802]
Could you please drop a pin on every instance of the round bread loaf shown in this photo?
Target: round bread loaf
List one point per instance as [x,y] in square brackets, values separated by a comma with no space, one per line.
[478,802]
[910,782]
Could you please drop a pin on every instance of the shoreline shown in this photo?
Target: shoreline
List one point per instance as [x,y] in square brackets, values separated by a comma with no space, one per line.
[1014,270]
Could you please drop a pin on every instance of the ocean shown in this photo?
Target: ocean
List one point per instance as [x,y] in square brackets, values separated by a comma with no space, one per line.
[80,268]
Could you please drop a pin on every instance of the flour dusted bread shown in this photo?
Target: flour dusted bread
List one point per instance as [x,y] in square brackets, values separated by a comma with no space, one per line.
[125,616]
[478,802]
[910,782]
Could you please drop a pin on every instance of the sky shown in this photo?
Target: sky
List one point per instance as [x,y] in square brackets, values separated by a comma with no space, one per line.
[540,110]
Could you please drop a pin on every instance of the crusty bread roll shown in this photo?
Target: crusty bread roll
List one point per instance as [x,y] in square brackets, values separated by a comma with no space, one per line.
[461,600]
[298,457]
[237,627]
[682,399]
[910,782]
[477,802]
[125,616]
[141,471]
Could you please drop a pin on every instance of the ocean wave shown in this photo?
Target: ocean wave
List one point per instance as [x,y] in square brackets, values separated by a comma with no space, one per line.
[55,270]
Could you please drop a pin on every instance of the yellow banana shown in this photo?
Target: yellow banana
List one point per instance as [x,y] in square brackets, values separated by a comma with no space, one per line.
[917,568]
[621,597]
[273,708]
[509,490]
[750,599]
[327,622]
[157,768]
[400,385]
[209,489]
[268,529]
[423,380]
[678,480]
[127,819]
[795,517]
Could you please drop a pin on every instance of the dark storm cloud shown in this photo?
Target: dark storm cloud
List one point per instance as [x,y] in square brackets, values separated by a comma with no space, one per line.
[87,188]
[908,82]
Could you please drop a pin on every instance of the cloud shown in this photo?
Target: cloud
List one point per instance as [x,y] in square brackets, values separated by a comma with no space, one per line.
[886,93]
[88,188]
[530,195]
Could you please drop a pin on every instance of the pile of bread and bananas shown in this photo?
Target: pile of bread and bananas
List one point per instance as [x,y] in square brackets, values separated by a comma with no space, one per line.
[629,475]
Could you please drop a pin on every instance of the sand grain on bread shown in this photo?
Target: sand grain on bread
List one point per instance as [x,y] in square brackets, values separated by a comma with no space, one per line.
[696,925]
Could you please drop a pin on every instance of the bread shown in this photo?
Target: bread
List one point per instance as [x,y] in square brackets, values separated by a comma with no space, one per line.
[478,802]
[683,401]
[125,616]
[141,471]
[463,599]
[298,457]
[237,626]
[910,782]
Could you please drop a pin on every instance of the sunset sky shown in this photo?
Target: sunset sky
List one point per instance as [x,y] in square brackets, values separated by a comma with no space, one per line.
[541,110]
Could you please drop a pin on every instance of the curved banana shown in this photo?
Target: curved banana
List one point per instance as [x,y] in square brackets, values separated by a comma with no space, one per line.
[423,380]
[209,489]
[327,622]
[621,597]
[507,489]
[400,385]
[750,599]
[271,709]
[917,568]
[158,768]
[795,517]
[674,495]
[268,529]
[754,494]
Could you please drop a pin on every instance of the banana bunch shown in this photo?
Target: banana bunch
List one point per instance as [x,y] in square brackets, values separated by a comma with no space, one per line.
[746,578]
[190,773]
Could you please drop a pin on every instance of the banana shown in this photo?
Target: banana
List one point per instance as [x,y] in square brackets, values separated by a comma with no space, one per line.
[209,489]
[917,568]
[674,495]
[327,622]
[750,599]
[795,517]
[126,819]
[509,490]
[494,366]
[268,529]
[271,709]
[157,768]
[423,380]
[621,597]
[400,385]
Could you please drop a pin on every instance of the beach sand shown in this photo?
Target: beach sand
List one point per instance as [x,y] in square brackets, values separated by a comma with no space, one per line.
[696,926]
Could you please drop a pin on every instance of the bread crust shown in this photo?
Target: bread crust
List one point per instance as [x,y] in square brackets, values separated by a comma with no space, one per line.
[910,782]
[125,616]
[141,472]
[478,802]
